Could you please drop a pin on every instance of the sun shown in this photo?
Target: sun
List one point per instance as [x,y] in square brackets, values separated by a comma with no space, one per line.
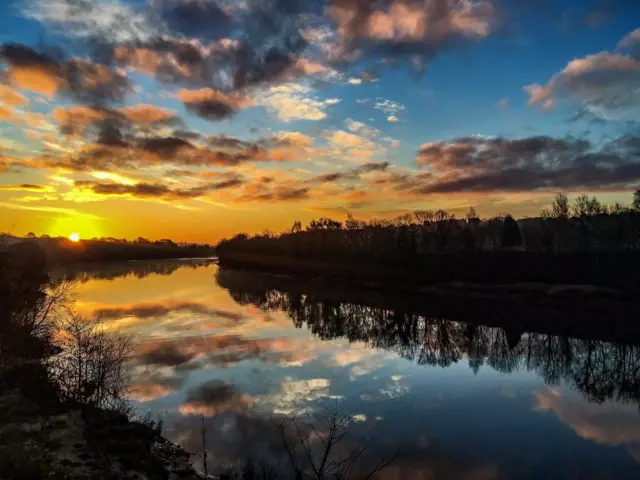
[74,237]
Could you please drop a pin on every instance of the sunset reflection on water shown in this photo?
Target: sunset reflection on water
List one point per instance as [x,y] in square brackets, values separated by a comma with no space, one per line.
[458,401]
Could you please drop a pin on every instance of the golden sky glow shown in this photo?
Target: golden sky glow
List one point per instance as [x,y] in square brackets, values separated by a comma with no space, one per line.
[203,135]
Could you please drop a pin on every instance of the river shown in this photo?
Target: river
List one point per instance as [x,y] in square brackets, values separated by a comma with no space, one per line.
[455,400]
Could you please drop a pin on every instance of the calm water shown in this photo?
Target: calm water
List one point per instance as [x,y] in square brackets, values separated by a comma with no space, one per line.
[458,401]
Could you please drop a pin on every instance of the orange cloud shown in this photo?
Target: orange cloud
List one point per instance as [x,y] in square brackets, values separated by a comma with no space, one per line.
[143,113]
[42,81]
[11,97]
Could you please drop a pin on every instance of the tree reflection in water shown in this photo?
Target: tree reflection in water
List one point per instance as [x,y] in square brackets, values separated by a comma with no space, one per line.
[600,370]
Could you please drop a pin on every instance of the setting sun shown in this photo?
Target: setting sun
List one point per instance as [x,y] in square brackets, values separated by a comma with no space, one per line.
[74,237]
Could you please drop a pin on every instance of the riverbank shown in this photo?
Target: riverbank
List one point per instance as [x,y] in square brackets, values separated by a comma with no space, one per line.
[43,438]
[509,270]
[581,311]
[63,251]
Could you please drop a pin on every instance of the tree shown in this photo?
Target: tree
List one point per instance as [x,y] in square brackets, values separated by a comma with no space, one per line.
[424,216]
[583,206]
[296,227]
[315,451]
[30,235]
[471,214]
[91,369]
[560,207]
[636,200]
[511,236]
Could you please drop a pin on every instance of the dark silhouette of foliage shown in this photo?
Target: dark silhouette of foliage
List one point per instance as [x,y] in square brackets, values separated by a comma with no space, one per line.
[583,242]
[511,236]
[601,370]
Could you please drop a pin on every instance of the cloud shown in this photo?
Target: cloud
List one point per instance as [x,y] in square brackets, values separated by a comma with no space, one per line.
[361,128]
[154,190]
[48,209]
[349,145]
[630,40]
[353,174]
[11,97]
[157,310]
[332,101]
[481,164]
[293,139]
[268,192]
[292,101]
[296,395]
[392,119]
[410,27]
[186,353]
[24,187]
[606,424]
[212,104]
[213,398]
[143,113]
[79,79]
[605,84]
[354,81]
[220,45]
[389,106]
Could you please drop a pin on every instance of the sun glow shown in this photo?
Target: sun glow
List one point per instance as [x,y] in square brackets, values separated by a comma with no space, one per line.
[74,237]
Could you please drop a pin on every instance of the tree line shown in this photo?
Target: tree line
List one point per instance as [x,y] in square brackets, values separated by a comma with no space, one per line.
[579,241]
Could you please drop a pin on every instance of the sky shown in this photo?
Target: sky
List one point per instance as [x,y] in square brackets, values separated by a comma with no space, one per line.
[199,119]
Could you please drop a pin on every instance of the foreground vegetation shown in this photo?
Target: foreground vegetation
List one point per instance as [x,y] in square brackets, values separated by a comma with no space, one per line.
[579,242]
[63,382]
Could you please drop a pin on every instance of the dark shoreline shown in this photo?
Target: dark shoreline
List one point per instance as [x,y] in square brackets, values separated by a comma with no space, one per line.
[579,311]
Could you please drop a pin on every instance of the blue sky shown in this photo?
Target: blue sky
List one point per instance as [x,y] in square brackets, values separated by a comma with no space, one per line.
[411,103]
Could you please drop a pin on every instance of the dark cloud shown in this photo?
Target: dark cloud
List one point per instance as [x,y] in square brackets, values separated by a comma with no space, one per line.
[201,18]
[81,80]
[210,44]
[278,193]
[353,174]
[213,398]
[217,350]
[156,310]
[212,104]
[510,165]
[154,190]
[23,186]
[19,55]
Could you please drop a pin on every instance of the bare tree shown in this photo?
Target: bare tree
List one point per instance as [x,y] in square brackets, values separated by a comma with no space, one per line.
[424,216]
[91,369]
[471,214]
[315,454]
[560,207]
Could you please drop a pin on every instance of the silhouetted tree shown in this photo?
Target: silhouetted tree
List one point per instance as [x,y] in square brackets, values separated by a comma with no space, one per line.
[511,236]
[30,235]
[636,200]
[560,207]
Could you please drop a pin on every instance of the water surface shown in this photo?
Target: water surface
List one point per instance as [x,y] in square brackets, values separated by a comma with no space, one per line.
[458,400]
